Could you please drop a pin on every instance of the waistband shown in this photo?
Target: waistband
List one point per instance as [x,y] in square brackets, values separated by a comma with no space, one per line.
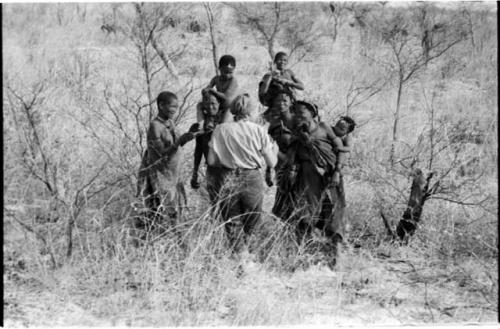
[237,171]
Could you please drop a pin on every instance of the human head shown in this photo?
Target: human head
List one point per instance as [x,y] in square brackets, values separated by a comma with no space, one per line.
[304,114]
[167,104]
[282,101]
[345,125]
[210,104]
[241,107]
[227,63]
[281,60]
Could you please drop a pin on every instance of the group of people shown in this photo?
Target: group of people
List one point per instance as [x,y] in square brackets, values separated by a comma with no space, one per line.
[305,154]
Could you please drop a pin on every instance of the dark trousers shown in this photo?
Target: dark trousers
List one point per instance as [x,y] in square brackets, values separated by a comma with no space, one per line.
[240,194]
[284,200]
[200,150]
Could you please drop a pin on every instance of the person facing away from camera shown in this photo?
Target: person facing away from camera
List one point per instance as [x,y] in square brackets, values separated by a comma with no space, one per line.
[237,152]
[159,181]
[224,87]
[317,200]
[209,107]
[278,80]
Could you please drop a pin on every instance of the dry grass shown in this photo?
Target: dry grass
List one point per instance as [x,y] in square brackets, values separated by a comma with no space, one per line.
[446,274]
[111,282]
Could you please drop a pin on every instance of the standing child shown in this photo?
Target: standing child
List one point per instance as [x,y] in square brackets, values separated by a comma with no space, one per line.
[226,87]
[209,107]
[159,181]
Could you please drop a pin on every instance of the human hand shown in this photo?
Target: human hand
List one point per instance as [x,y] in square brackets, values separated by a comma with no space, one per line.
[303,135]
[272,68]
[336,178]
[269,178]
[185,138]
[280,80]
[195,127]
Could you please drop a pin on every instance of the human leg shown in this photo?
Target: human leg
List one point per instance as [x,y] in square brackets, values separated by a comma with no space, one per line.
[198,154]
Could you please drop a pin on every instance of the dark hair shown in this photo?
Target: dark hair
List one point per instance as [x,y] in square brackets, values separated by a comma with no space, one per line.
[227,60]
[311,107]
[165,97]
[279,55]
[350,122]
[205,96]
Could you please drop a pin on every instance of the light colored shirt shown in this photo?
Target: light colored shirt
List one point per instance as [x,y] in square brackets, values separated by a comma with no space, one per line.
[240,144]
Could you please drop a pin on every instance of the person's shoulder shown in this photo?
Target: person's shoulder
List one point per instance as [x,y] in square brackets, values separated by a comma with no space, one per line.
[253,124]
[266,76]
[324,125]
[221,127]
[257,127]
[214,80]
[155,128]
[155,123]
[289,72]
[234,80]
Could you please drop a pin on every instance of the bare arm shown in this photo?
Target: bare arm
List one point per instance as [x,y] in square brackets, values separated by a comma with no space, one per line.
[337,143]
[270,155]
[211,84]
[348,142]
[158,145]
[295,83]
[269,149]
[212,158]
[231,92]
[263,87]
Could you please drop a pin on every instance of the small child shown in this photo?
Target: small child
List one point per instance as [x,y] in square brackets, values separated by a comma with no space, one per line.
[226,87]
[278,80]
[342,129]
[209,107]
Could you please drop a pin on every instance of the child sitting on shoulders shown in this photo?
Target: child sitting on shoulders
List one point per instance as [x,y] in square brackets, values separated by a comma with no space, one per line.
[224,86]
[278,80]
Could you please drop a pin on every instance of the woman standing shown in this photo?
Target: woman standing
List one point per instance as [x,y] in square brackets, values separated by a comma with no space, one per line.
[237,152]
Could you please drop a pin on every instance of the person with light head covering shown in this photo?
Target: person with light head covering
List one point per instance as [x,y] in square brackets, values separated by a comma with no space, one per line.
[237,152]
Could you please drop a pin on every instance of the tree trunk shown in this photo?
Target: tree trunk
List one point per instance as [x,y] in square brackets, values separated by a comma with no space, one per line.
[145,67]
[270,48]
[210,18]
[418,195]
[431,135]
[166,61]
[396,122]
[69,237]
